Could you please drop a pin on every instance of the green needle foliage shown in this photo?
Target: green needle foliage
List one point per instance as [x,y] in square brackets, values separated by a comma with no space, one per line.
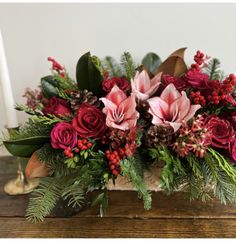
[44,199]
[111,65]
[128,64]
[173,167]
[101,200]
[30,129]
[211,176]
[213,70]
[132,170]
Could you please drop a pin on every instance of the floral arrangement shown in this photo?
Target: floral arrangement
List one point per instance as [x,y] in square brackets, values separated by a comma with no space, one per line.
[122,119]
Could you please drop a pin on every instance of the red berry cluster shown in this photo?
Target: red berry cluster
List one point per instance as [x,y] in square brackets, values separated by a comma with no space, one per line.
[82,144]
[215,98]
[114,158]
[198,98]
[229,83]
[199,59]
[222,90]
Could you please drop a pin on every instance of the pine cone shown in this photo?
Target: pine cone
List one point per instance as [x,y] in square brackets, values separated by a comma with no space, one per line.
[82,96]
[142,108]
[160,134]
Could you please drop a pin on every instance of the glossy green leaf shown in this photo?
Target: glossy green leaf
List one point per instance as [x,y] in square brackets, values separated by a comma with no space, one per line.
[49,86]
[151,62]
[88,74]
[25,147]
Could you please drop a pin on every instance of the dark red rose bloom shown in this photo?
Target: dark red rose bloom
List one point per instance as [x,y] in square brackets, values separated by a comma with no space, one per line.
[121,82]
[221,130]
[232,150]
[57,107]
[180,83]
[63,135]
[196,79]
[90,122]
[230,116]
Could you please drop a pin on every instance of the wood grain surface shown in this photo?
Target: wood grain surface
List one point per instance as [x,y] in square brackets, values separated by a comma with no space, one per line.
[171,217]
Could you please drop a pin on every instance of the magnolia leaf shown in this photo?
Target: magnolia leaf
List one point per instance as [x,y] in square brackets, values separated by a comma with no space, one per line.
[180,53]
[49,86]
[151,62]
[88,74]
[25,147]
[174,65]
[35,168]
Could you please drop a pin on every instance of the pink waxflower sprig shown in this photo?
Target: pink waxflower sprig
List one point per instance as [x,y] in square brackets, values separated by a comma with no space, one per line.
[33,98]
[193,137]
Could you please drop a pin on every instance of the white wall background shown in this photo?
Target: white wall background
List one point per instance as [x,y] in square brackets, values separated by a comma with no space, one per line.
[32,32]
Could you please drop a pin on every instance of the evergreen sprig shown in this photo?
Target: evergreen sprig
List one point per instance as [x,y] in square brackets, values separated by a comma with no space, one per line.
[102,200]
[54,160]
[44,199]
[172,168]
[213,70]
[30,129]
[128,64]
[27,109]
[113,68]
[131,169]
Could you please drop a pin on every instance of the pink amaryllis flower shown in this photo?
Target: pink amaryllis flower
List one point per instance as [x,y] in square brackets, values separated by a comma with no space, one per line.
[143,87]
[120,110]
[171,108]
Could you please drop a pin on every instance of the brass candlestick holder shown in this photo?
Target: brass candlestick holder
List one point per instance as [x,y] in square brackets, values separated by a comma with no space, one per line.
[20,185]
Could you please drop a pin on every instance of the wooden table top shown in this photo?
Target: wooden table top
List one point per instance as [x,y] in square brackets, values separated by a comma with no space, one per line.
[171,217]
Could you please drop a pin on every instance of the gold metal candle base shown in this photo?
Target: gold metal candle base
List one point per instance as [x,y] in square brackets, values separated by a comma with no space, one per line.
[20,185]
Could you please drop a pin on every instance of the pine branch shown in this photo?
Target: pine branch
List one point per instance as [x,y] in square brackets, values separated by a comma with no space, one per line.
[44,199]
[102,200]
[131,170]
[128,64]
[30,129]
[213,70]
[74,194]
[54,160]
[112,67]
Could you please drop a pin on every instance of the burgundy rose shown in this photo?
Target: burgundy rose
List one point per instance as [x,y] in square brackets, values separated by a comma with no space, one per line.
[196,79]
[57,107]
[232,150]
[90,121]
[179,82]
[221,130]
[63,135]
[121,82]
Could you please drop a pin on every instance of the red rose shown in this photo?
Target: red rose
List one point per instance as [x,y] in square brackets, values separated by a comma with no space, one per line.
[90,121]
[179,82]
[121,82]
[57,107]
[221,131]
[63,135]
[196,79]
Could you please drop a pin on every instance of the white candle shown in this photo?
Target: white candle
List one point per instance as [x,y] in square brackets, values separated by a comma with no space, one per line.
[6,89]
